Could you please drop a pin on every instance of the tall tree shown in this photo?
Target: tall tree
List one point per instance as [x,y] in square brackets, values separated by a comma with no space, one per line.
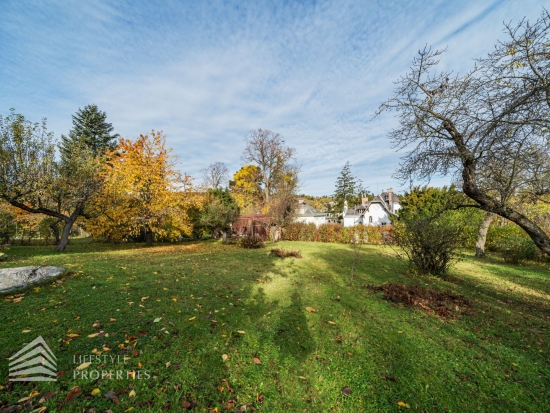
[281,207]
[268,151]
[91,127]
[144,192]
[347,188]
[489,123]
[215,176]
[219,212]
[245,188]
[30,178]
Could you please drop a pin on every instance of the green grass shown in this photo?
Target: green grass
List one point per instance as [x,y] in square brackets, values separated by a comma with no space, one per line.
[495,359]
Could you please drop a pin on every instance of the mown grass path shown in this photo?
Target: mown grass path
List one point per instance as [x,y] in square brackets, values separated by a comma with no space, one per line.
[174,311]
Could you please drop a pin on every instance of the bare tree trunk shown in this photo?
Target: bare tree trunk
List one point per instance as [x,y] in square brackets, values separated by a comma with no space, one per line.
[224,236]
[64,241]
[55,230]
[148,237]
[482,235]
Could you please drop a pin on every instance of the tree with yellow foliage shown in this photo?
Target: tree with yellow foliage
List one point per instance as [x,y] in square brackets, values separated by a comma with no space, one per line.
[143,193]
[246,190]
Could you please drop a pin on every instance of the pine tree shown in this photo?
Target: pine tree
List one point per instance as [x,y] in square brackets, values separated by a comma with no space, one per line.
[347,187]
[91,127]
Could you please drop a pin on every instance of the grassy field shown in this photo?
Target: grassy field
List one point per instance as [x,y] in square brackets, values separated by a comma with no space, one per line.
[215,327]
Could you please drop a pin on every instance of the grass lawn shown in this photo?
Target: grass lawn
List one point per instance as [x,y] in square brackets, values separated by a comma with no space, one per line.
[222,327]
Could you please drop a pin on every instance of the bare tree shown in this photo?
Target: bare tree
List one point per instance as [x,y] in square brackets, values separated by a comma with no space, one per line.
[215,176]
[488,127]
[267,150]
[282,203]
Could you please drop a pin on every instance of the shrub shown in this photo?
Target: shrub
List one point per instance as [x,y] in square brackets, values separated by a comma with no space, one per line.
[511,242]
[250,242]
[517,250]
[429,231]
[281,252]
[430,244]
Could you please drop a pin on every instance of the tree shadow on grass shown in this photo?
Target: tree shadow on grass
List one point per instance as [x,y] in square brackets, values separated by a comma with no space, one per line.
[292,334]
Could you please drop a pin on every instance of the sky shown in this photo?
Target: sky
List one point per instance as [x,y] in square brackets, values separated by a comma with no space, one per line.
[206,73]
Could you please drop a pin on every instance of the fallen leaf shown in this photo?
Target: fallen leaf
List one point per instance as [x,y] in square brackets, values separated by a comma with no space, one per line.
[93,335]
[84,365]
[311,310]
[192,318]
[47,396]
[72,335]
[132,393]
[95,392]
[240,331]
[156,320]
[26,331]
[224,357]
[73,394]
[403,404]
[346,391]
[112,396]
[112,320]
[331,322]
[257,360]
[168,364]
[302,377]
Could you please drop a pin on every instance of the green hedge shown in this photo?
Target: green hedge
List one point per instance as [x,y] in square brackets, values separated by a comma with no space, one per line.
[336,233]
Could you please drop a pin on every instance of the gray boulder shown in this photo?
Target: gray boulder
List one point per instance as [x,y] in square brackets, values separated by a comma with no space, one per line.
[16,278]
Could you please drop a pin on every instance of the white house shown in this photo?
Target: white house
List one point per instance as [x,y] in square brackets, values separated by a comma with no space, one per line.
[375,212]
[307,214]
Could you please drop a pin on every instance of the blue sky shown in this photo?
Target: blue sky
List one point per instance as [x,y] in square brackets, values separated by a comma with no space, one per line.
[206,73]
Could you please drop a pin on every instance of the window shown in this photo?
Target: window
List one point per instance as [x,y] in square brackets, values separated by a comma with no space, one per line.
[370,219]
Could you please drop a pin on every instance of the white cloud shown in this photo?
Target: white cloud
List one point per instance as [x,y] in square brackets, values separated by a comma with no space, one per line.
[206,74]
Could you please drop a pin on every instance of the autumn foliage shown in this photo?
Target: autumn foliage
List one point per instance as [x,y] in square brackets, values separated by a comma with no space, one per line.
[144,194]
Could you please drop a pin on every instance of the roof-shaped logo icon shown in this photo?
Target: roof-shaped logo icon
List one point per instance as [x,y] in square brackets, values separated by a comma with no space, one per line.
[34,362]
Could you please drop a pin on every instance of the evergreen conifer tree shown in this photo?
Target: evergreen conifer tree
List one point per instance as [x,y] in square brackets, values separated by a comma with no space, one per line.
[89,126]
[347,188]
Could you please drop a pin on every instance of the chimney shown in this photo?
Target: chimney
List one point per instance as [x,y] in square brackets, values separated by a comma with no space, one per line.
[365,200]
[390,199]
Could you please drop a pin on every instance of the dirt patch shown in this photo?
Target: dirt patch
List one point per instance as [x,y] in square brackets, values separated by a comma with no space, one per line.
[442,304]
[281,252]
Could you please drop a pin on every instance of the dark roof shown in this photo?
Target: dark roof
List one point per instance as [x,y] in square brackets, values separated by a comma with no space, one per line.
[305,210]
[394,197]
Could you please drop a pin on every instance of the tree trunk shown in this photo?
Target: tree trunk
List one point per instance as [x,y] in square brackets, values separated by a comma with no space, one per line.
[482,235]
[148,237]
[224,236]
[489,204]
[55,230]
[64,241]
